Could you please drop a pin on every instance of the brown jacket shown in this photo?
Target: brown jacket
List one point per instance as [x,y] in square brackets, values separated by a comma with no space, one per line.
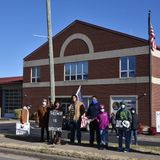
[24,115]
[79,110]
[43,115]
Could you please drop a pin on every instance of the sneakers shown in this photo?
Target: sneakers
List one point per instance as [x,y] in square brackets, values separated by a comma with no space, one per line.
[126,150]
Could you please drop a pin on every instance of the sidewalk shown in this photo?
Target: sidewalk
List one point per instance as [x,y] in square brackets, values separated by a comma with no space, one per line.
[83,151]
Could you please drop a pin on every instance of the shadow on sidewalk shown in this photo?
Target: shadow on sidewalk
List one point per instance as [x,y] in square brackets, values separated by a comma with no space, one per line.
[23,138]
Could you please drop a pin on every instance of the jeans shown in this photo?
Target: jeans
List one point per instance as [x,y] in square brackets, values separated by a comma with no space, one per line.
[75,129]
[104,137]
[133,137]
[126,134]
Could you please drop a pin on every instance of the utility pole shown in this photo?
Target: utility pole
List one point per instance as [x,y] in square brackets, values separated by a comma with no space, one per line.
[51,57]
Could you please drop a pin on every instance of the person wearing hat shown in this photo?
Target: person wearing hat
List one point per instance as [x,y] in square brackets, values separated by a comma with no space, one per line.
[43,115]
[123,124]
[25,114]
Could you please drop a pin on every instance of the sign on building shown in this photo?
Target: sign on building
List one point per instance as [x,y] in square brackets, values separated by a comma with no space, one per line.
[22,129]
[55,121]
[158,121]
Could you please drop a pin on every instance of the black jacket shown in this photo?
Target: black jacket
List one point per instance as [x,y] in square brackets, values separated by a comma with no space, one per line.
[93,110]
[135,122]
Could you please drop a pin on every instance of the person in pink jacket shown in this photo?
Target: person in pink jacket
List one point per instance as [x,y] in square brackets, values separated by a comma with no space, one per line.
[103,121]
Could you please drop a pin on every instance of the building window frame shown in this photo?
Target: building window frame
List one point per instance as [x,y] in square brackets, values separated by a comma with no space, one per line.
[76,71]
[35,74]
[127,70]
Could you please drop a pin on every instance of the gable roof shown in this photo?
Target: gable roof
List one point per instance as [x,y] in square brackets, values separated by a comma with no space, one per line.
[141,40]
[101,28]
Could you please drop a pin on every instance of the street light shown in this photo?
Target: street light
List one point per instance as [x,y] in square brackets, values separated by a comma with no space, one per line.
[51,57]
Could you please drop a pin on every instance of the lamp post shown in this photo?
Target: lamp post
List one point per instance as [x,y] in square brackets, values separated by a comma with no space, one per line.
[51,57]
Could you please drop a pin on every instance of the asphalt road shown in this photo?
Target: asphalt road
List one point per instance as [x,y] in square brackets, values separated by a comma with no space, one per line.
[4,156]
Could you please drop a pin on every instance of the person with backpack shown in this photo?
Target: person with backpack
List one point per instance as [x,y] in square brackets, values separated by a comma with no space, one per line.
[123,124]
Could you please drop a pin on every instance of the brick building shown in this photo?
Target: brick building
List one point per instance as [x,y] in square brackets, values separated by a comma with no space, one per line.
[111,65]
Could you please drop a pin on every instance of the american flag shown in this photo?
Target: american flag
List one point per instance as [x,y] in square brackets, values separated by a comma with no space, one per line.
[152,38]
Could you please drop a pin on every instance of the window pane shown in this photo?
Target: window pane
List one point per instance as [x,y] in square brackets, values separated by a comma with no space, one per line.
[79,77]
[132,63]
[38,72]
[85,70]
[123,63]
[79,68]
[67,69]
[73,68]
[33,80]
[73,77]
[33,72]
[85,76]
[67,78]
[123,74]
[132,74]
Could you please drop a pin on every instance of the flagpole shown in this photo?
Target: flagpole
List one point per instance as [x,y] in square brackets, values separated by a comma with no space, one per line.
[150,70]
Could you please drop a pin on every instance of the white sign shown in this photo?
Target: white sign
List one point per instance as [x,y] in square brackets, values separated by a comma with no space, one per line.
[22,129]
[158,121]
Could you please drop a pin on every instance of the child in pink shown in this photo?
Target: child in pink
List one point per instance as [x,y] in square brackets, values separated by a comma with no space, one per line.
[103,121]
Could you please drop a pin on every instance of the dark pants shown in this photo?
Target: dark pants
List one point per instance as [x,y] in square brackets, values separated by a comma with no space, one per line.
[114,128]
[133,137]
[94,127]
[126,134]
[75,129]
[42,133]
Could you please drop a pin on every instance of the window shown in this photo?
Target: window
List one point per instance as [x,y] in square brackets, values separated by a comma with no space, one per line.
[128,67]
[35,74]
[76,71]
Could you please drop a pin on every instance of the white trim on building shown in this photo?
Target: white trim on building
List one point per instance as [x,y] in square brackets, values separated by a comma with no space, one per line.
[95,56]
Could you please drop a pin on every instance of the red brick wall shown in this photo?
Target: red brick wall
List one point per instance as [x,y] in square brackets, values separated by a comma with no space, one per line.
[75,47]
[44,74]
[156,67]
[142,65]
[39,53]
[102,39]
[35,96]
[155,89]
[155,102]
[103,92]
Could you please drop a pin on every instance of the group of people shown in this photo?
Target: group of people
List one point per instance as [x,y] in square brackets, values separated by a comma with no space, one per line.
[43,115]
[125,123]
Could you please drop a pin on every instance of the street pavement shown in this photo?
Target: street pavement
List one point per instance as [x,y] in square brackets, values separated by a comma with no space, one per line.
[8,137]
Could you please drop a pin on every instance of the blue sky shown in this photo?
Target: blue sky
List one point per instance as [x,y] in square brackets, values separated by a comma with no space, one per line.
[21,19]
